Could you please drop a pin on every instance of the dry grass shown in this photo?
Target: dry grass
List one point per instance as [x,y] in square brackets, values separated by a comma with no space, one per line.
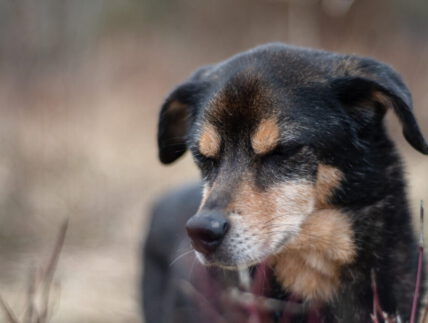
[40,304]
[82,146]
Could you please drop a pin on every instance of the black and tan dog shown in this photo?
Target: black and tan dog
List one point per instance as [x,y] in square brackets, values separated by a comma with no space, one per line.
[298,172]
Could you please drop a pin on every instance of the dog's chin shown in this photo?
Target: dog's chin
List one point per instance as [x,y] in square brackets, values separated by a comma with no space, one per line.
[238,261]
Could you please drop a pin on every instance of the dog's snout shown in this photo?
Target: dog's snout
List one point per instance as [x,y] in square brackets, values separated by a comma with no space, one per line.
[207,229]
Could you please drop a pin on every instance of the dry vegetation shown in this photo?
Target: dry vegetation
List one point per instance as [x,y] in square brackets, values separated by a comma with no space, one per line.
[81,146]
[78,139]
[40,303]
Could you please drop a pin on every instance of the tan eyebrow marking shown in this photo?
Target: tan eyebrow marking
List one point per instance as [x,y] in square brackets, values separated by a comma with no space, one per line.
[266,136]
[209,142]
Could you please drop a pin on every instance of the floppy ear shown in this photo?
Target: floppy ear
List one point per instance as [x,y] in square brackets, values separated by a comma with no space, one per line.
[175,118]
[366,79]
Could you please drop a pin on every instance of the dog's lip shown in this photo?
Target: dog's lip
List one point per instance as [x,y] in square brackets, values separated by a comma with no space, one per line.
[213,259]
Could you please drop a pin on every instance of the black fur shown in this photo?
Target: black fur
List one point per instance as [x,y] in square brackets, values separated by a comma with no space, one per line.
[335,106]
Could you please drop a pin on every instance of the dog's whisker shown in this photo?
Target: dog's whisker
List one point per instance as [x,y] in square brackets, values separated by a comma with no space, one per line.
[180,257]
[184,248]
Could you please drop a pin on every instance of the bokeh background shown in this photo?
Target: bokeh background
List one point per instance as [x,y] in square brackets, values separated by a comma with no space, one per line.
[80,86]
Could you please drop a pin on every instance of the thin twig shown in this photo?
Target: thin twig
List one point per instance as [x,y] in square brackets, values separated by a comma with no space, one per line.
[49,271]
[376,305]
[29,315]
[207,306]
[55,300]
[8,311]
[420,263]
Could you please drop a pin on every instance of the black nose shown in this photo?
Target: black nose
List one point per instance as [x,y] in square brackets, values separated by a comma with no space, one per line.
[207,229]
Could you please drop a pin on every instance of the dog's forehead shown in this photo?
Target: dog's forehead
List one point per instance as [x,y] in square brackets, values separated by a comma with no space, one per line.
[259,83]
[288,87]
[246,97]
[251,102]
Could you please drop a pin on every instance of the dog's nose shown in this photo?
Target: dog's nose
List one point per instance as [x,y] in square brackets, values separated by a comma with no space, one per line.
[207,229]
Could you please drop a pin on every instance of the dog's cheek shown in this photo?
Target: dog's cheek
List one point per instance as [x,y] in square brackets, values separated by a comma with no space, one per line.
[243,245]
[262,221]
[248,211]
[294,202]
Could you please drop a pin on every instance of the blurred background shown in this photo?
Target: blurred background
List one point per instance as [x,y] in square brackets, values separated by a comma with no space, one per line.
[80,86]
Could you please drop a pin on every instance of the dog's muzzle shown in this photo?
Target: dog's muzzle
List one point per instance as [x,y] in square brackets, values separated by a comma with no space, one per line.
[207,229]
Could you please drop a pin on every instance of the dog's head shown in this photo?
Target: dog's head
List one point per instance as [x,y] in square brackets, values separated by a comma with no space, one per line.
[276,132]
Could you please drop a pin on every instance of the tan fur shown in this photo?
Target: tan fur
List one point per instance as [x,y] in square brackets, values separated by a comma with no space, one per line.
[264,206]
[248,200]
[209,142]
[310,265]
[328,179]
[266,136]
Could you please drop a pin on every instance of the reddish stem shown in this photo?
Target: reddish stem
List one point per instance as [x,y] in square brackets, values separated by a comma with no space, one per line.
[420,263]
[376,305]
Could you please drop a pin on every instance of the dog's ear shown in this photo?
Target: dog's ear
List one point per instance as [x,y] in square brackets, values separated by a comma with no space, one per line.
[365,79]
[175,119]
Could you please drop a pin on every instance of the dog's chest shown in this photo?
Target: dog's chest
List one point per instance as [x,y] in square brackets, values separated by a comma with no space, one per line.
[310,266]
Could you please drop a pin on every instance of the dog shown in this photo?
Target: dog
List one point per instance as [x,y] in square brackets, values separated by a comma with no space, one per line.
[298,175]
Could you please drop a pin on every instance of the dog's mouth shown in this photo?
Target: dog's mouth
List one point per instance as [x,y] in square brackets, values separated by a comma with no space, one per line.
[238,254]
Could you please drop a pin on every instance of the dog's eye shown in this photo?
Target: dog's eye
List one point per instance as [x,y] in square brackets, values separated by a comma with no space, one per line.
[284,151]
[201,159]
